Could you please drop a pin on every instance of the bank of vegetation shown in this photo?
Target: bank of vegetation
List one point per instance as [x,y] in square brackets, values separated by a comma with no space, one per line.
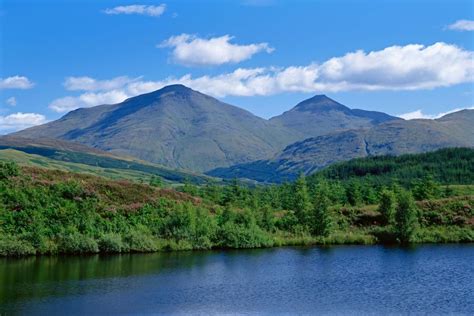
[56,212]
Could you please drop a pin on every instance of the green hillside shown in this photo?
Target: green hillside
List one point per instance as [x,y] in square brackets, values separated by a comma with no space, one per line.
[447,166]
[78,158]
[45,211]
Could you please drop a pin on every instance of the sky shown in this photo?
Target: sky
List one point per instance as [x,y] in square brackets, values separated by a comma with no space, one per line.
[409,58]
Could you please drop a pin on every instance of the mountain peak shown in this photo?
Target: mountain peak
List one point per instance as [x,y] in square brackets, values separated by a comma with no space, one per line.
[319,103]
[173,88]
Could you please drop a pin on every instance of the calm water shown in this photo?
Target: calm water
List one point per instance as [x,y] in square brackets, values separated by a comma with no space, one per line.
[338,280]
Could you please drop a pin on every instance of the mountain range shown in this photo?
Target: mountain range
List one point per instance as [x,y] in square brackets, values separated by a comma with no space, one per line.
[394,137]
[178,127]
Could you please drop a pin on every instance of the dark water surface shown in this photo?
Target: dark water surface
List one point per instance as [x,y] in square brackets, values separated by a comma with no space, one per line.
[375,280]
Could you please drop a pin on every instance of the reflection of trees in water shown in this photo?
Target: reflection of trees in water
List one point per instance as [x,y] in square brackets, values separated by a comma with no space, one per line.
[36,277]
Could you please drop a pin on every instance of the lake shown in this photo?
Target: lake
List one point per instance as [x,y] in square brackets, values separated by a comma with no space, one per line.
[429,279]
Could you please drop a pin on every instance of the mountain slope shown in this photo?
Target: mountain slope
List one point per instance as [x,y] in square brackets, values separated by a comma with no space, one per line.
[391,138]
[321,115]
[69,156]
[175,126]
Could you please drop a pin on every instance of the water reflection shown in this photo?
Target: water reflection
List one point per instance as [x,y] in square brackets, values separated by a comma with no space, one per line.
[361,279]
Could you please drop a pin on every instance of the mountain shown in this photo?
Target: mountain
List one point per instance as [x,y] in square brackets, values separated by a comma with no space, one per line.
[321,115]
[174,126]
[394,137]
[69,156]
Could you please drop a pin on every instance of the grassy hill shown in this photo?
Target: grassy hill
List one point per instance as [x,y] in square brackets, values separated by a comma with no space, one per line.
[69,156]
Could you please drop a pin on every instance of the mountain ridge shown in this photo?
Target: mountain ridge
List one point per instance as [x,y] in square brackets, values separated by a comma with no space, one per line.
[390,138]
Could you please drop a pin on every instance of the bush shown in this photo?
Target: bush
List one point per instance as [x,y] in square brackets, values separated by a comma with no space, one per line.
[8,169]
[232,235]
[139,240]
[76,243]
[69,190]
[112,243]
[13,246]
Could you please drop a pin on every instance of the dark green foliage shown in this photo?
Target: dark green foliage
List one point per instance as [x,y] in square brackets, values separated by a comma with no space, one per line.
[450,165]
[406,217]
[387,206]
[50,212]
[301,203]
[321,221]
[8,169]
[426,188]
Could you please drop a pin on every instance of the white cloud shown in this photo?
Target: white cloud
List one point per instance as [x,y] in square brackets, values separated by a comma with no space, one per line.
[11,101]
[91,84]
[15,82]
[462,25]
[192,50]
[17,121]
[418,114]
[150,10]
[85,100]
[408,67]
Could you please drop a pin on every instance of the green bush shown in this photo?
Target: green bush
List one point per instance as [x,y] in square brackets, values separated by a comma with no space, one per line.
[139,240]
[75,242]
[12,246]
[112,243]
[232,235]
[8,169]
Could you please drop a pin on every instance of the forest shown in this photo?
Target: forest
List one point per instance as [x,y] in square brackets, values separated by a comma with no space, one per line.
[388,200]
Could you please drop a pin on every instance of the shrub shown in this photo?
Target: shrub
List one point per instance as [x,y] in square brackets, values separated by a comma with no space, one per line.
[139,240]
[232,235]
[76,243]
[13,246]
[112,242]
[8,169]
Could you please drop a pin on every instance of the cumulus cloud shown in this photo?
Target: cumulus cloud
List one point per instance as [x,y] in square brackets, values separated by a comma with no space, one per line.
[408,67]
[15,82]
[418,114]
[462,25]
[11,101]
[89,99]
[91,84]
[150,10]
[17,121]
[191,50]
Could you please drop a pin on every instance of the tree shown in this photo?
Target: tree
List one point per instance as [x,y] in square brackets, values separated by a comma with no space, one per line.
[353,193]
[406,217]
[266,219]
[426,189]
[387,206]
[301,202]
[321,220]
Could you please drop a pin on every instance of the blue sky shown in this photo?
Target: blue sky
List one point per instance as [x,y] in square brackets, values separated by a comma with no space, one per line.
[264,56]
